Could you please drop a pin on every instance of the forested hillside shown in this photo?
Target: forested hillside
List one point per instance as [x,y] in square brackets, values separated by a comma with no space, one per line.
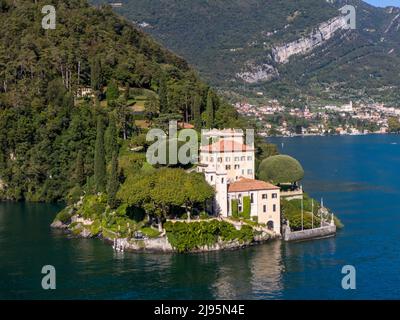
[48,127]
[234,45]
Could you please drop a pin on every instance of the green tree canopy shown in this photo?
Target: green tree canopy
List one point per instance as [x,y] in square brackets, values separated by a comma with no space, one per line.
[195,190]
[394,124]
[162,189]
[280,169]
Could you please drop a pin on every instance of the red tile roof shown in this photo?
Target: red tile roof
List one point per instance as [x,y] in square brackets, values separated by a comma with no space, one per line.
[245,184]
[185,125]
[226,146]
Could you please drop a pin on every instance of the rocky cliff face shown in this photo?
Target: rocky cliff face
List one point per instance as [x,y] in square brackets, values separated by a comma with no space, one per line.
[285,49]
[281,54]
[319,36]
[254,73]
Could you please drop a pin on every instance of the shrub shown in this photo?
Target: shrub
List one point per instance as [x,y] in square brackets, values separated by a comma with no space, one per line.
[204,215]
[245,234]
[74,195]
[93,206]
[64,216]
[95,227]
[184,216]
[121,210]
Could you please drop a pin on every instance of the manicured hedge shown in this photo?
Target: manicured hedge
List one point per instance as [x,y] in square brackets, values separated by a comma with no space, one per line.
[235,208]
[246,207]
[280,169]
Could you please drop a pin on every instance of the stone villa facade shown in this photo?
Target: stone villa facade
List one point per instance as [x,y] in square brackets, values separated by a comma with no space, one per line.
[229,166]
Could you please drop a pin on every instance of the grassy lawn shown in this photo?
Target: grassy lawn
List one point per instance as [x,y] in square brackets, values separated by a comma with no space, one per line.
[150,232]
[138,106]
[143,124]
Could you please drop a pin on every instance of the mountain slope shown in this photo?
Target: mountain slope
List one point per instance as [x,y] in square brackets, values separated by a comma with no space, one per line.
[44,126]
[250,45]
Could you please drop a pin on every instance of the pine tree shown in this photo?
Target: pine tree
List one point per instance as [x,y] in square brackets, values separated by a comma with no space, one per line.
[113,183]
[163,94]
[197,112]
[99,158]
[111,144]
[79,170]
[210,110]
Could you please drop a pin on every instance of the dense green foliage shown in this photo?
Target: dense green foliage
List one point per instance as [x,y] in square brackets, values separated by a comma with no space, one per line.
[47,132]
[110,223]
[209,113]
[113,183]
[292,211]
[100,159]
[159,192]
[64,216]
[280,169]
[227,37]
[394,125]
[235,208]
[189,236]
[246,207]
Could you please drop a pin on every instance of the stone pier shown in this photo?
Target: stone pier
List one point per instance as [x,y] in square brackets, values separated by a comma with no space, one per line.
[309,234]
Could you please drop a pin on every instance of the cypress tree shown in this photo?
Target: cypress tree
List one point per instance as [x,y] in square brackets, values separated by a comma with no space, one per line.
[163,94]
[113,183]
[95,74]
[79,170]
[197,112]
[99,158]
[112,93]
[111,144]
[210,110]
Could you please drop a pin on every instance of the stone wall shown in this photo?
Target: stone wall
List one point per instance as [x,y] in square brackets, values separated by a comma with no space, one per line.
[317,233]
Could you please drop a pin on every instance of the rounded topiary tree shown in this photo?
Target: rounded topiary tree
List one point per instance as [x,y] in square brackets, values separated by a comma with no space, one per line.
[280,169]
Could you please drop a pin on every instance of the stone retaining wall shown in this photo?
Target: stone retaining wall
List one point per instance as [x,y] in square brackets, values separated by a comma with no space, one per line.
[317,233]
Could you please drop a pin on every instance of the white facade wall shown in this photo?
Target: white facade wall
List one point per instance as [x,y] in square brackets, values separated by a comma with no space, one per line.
[224,167]
[235,164]
[265,206]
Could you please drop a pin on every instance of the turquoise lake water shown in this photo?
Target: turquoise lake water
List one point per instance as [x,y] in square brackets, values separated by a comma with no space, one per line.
[358,177]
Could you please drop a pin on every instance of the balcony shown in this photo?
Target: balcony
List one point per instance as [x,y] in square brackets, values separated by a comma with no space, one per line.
[292,192]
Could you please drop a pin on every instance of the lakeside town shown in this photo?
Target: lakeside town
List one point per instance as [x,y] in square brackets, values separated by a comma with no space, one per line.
[275,119]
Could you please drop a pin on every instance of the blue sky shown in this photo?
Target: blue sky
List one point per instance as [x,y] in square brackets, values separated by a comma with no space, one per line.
[384,3]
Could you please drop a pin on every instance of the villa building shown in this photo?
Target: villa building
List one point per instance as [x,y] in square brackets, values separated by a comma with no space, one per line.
[85,92]
[229,166]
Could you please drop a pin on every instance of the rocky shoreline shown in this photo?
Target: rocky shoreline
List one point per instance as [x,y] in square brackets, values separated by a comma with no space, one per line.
[79,227]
